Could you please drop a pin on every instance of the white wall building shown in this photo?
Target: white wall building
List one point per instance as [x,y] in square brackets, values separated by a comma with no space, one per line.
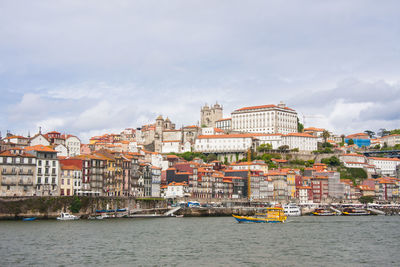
[265,119]
[385,166]
[171,146]
[175,190]
[223,143]
[275,140]
[353,158]
[224,124]
[39,139]
[47,170]
[62,151]
[391,140]
[302,141]
[74,145]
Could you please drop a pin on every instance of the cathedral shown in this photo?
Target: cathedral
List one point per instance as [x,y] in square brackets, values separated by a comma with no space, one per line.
[209,115]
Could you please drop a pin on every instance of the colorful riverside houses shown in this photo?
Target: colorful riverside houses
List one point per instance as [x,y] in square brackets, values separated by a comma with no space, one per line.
[47,170]
[93,172]
[17,175]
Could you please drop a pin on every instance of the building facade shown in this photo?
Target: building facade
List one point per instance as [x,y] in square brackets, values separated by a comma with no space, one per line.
[210,115]
[265,119]
[18,171]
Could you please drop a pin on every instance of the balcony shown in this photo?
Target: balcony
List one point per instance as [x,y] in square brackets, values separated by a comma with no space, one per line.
[25,182]
[8,182]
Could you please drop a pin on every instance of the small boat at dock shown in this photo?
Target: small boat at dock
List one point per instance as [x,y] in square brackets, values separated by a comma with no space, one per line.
[272,215]
[67,217]
[355,212]
[29,219]
[323,212]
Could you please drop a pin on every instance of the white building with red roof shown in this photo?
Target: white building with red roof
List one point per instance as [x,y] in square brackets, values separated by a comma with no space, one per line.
[385,166]
[265,119]
[391,140]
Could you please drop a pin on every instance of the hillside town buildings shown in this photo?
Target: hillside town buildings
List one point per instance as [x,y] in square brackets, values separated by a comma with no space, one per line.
[147,162]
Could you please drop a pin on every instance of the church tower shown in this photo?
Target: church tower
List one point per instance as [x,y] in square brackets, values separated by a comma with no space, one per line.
[209,115]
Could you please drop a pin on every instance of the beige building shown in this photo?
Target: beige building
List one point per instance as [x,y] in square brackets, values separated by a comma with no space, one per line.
[18,170]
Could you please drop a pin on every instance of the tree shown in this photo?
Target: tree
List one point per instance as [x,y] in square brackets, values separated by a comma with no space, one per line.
[211,157]
[332,161]
[300,126]
[283,148]
[366,199]
[264,148]
[350,142]
[325,135]
[370,133]
[382,132]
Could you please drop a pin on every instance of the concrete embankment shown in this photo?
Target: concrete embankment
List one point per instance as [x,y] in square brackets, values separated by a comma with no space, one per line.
[12,208]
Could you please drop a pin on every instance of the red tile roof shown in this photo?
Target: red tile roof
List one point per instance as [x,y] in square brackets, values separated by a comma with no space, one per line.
[262,107]
[40,148]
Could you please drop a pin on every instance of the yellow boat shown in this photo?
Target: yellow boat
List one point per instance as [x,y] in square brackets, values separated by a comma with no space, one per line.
[273,215]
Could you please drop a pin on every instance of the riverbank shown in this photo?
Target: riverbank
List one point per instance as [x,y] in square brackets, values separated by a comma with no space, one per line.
[12,208]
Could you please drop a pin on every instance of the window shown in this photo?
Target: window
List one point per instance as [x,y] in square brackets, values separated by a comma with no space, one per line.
[46,180]
[39,180]
[62,181]
[53,180]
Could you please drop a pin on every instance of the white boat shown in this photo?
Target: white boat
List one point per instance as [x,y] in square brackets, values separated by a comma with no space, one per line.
[67,217]
[292,209]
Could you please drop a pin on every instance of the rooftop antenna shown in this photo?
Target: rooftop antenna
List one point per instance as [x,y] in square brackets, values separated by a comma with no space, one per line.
[40,130]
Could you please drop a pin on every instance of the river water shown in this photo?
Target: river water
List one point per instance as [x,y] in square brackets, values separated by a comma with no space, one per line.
[207,241]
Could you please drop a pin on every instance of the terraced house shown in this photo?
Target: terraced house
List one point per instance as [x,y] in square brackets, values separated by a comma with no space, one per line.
[18,170]
[47,170]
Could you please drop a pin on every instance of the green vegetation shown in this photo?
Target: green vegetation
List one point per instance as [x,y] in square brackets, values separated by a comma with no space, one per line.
[353,174]
[332,161]
[264,148]
[395,131]
[350,142]
[189,156]
[325,135]
[323,151]
[366,199]
[302,163]
[283,149]
[300,126]
[76,205]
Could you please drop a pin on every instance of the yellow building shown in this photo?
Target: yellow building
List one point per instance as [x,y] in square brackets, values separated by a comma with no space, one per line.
[291,183]
[67,180]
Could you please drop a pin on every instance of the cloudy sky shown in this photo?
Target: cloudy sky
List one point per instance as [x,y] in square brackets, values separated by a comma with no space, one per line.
[87,67]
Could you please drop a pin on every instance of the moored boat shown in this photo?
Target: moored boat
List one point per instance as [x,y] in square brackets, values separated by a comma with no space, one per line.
[29,219]
[323,212]
[67,217]
[292,209]
[355,212]
[272,215]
